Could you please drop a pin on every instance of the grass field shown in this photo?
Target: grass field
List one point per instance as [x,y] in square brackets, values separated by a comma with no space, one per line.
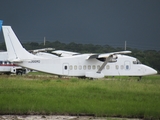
[44,94]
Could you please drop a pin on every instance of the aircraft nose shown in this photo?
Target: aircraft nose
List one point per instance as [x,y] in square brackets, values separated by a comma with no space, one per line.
[150,71]
[154,71]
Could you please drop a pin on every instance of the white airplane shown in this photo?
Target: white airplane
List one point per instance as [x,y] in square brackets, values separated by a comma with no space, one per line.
[7,67]
[74,64]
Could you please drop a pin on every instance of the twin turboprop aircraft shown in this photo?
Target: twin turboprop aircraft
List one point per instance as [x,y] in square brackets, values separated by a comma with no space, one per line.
[67,63]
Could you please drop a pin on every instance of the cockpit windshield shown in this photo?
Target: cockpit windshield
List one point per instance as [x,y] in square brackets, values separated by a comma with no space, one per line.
[136,62]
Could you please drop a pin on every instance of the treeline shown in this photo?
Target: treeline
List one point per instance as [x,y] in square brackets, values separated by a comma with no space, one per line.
[148,57]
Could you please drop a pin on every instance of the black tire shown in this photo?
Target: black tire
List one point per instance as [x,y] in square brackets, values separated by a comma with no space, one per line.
[19,73]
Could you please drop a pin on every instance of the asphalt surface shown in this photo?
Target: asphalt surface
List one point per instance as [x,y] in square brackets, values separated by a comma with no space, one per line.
[58,117]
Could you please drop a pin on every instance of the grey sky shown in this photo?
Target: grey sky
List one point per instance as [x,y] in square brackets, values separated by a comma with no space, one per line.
[85,21]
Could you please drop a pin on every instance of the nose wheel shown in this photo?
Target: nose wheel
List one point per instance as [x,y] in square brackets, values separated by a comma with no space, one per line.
[140,77]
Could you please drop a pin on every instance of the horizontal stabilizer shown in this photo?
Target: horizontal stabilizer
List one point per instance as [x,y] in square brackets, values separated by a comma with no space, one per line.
[16,60]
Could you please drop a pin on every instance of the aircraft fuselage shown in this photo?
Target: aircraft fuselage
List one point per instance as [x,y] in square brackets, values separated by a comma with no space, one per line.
[78,65]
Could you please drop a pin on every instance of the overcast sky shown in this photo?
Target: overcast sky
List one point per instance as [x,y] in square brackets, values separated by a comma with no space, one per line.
[100,22]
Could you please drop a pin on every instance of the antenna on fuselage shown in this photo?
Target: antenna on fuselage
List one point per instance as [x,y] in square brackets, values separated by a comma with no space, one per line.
[125,45]
[44,41]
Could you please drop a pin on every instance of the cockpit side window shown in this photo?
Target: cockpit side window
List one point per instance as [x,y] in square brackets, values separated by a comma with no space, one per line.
[136,62]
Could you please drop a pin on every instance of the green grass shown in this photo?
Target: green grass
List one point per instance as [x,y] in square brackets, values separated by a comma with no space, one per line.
[118,96]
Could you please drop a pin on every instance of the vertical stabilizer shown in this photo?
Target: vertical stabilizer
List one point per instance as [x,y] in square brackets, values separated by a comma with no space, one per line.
[16,52]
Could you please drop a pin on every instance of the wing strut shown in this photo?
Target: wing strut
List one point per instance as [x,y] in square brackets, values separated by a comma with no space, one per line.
[103,65]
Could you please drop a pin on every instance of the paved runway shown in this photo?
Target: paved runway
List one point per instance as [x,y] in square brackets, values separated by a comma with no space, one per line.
[57,117]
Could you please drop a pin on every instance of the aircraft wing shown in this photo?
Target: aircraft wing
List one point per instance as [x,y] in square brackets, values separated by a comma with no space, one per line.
[106,55]
[64,53]
[41,50]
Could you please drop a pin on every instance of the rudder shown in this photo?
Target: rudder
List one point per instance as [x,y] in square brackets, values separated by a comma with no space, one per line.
[16,52]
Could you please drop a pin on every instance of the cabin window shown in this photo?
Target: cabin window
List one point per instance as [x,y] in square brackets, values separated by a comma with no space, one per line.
[84,67]
[122,67]
[80,67]
[1,62]
[65,67]
[127,67]
[5,62]
[89,67]
[117,67]
[139,62]
[70,67]
[98,66]
[107,67]
[93,67]
[75,67]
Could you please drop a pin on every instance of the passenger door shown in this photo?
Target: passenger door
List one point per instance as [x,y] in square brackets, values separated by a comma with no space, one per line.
[65,69]
[127,65]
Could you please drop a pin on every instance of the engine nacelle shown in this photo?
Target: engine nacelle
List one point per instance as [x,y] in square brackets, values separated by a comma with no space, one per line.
[114,56]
